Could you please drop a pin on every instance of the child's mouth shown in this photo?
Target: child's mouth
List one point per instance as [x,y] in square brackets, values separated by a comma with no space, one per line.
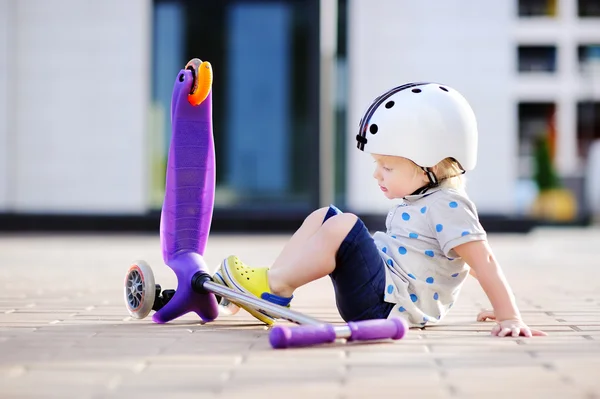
[383,189]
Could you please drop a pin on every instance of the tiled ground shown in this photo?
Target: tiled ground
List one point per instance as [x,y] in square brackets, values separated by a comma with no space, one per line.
[65,333]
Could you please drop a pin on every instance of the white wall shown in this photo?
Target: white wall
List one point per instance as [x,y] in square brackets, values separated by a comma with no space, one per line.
[4,151]
[463,43]
[80,104]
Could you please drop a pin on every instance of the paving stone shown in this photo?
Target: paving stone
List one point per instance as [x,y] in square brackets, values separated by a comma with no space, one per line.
[65,333]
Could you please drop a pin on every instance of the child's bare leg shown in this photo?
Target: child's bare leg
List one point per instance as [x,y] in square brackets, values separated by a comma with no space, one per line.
[314,259]
[311,224]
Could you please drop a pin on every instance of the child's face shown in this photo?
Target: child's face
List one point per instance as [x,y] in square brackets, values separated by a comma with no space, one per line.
[397,177]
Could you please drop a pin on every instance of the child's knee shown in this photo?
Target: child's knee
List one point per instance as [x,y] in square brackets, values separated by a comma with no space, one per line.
[321,212]
[340,225]
[330,212]
[347,219]
[318,215]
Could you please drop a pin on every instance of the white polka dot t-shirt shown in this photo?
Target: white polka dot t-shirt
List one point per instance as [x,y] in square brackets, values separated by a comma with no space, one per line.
[423,273]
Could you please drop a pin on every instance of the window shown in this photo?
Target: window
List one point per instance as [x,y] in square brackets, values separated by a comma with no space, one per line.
[588,125]
[536,119]
[588,55]
[588,8]
[536,58]
[537,8]
[265,62]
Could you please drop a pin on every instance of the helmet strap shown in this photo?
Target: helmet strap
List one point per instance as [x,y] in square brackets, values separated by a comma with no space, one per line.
[433,181]
[431,176]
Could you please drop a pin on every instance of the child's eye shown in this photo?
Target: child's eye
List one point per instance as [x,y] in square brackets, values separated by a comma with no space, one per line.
[387,169]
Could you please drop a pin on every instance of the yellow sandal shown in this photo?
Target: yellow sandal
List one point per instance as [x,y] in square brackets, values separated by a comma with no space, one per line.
[252,281]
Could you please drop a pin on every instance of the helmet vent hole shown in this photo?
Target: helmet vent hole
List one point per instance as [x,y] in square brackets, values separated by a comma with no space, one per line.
[443,88]
[389,104]
[416,90]
[373,128]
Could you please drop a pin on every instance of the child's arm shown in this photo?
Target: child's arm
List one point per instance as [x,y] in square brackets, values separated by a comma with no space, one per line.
[472,273]
[478,255]
[484,314]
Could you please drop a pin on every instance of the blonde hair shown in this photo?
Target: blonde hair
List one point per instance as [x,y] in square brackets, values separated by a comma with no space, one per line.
[450,174]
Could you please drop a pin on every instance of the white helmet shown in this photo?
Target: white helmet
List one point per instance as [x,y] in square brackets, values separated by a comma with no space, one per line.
[424,122]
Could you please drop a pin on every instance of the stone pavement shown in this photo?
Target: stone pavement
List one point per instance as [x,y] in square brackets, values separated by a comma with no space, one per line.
[65,333]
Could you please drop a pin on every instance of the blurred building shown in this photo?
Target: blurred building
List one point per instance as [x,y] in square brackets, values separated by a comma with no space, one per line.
[85,91]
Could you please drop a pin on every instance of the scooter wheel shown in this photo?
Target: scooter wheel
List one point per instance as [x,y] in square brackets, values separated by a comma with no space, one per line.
[140,289]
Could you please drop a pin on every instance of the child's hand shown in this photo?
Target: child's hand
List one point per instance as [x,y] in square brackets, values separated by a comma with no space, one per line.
[485,315]
[515,328]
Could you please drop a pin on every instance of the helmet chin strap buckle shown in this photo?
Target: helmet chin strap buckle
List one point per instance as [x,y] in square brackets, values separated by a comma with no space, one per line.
[433,181]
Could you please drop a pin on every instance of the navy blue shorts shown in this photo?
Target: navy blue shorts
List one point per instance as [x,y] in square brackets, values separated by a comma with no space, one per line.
[359,275]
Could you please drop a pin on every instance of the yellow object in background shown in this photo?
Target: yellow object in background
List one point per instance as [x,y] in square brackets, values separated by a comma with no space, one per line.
[551,8]
[556,204]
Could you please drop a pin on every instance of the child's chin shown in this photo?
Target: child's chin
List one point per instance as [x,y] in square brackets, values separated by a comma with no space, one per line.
[391,196]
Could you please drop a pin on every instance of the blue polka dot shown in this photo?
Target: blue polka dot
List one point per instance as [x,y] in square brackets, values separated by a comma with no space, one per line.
[412,276]
[439,227]
[429,252]
[405,216]
[394,237]
[436,296]
[424,209]
[384,250]
[390,262]
[413,297]
[425,319]
[413,235]
[390,289]
[455,275]
[465,233]
[402,250]
[401,309]
[453,204]
[451,304]
[450,259]
[429,280]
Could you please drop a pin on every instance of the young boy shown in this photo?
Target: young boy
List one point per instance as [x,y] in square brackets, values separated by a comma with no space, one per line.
[422,137]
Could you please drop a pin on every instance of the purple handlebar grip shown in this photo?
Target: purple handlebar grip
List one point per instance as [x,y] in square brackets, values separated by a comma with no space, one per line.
[287,337]
[393,328]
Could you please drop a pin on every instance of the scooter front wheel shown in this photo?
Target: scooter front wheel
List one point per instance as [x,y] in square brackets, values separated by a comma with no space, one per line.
[139,290]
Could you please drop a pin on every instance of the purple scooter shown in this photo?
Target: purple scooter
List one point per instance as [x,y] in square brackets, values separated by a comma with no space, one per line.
[184,226]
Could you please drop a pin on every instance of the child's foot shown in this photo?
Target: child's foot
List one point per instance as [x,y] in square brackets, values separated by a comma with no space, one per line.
[251,281]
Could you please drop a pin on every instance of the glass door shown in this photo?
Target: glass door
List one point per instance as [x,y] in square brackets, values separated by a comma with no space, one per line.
[265,58]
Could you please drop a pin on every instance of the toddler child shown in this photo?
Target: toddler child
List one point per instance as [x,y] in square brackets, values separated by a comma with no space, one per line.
[423,138]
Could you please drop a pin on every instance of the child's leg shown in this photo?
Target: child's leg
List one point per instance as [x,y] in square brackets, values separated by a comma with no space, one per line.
[343,248]
[311,252]
[298,241]
[313,259]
